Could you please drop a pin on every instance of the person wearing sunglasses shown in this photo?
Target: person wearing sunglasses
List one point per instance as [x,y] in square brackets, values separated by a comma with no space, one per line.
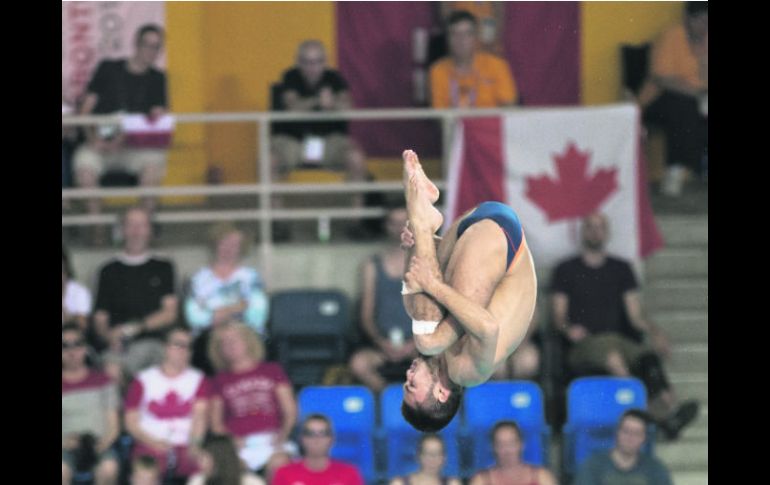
[89,413]
[317,467]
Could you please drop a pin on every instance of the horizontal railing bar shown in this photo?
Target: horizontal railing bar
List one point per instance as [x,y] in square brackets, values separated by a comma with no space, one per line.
[283,116]
[235,215]
[239,189]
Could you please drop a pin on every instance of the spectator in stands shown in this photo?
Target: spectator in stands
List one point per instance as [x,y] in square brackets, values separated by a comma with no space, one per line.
[89,413]
[508,444]
[253,400]
[383,319]
[145,471]
[491,20]
[316,466]
[597,307]
[625,463]
[310,87]
[135,300]
[431,456]
[226,290]
[132,85]
[675,97]
[75,298]
[166,408]
[219,463]
[468,77]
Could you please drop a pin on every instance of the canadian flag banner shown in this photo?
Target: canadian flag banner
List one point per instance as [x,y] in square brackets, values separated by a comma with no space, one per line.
[554,166]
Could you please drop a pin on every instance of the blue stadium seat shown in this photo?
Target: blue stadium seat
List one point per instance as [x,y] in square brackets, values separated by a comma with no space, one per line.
[401,438]
[519,401]
[351,410]
[309,330]
[594,405]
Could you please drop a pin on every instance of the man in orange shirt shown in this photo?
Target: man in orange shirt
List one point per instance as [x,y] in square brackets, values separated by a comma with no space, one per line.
[469,77]
[676,95]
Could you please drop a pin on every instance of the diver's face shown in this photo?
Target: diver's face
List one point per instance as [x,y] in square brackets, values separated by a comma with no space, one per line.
[420,380]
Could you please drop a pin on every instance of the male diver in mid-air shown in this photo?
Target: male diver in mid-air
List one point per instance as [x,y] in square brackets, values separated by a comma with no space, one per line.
[471,295]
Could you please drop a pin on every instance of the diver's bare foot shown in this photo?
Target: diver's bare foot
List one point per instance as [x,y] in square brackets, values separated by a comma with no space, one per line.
[422,214]
[413,168]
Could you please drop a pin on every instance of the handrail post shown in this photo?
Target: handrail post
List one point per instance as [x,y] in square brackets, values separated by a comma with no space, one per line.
[265,174]
[447,126]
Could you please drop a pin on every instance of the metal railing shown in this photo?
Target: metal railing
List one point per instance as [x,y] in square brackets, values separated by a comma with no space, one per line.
[265,189]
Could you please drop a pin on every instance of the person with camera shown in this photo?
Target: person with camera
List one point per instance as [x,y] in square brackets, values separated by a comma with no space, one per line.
[89,413]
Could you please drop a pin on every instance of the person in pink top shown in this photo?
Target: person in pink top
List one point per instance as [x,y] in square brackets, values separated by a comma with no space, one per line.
[253,400]
[166,408]
[316,466]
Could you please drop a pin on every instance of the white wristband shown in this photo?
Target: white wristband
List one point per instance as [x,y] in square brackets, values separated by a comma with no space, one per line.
[406,291]
[423,327]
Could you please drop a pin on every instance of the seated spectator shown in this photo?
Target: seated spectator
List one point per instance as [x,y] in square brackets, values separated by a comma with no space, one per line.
[145,471]
[224,291]
[384,320]
[597,307]
[431,456]
[625,462]
[132,85]
[135,301]
[316,466]
[675,97]
[75,298]
[312,87]
[253,400]
[510,469]
[468,77]
[89,413]
[166,408]
[219,463]
[491,21]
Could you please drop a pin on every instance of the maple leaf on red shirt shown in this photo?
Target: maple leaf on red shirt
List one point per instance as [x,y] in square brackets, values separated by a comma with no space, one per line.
[574,194]
[173,406]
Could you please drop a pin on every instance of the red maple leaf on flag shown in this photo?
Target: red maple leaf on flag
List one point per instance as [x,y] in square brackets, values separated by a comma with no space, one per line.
[574,194]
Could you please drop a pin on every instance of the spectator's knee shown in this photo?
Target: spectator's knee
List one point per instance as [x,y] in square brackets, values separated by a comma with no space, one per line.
[66,474]
[526,363]
[615,364]
[108,470]
[360,363]
[86,177]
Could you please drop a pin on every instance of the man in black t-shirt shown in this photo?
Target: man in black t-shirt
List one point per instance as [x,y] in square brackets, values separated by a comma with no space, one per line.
[131,85]
[596,306]
[135,300]
[311,87]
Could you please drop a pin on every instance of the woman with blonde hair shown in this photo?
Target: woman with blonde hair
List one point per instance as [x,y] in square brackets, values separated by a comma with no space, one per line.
[252,399]
[225,290]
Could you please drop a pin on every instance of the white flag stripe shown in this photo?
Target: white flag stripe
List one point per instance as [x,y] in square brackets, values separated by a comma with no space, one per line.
[534,139]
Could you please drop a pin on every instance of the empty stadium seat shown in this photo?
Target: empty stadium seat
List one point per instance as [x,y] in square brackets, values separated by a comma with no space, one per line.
[308,330]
